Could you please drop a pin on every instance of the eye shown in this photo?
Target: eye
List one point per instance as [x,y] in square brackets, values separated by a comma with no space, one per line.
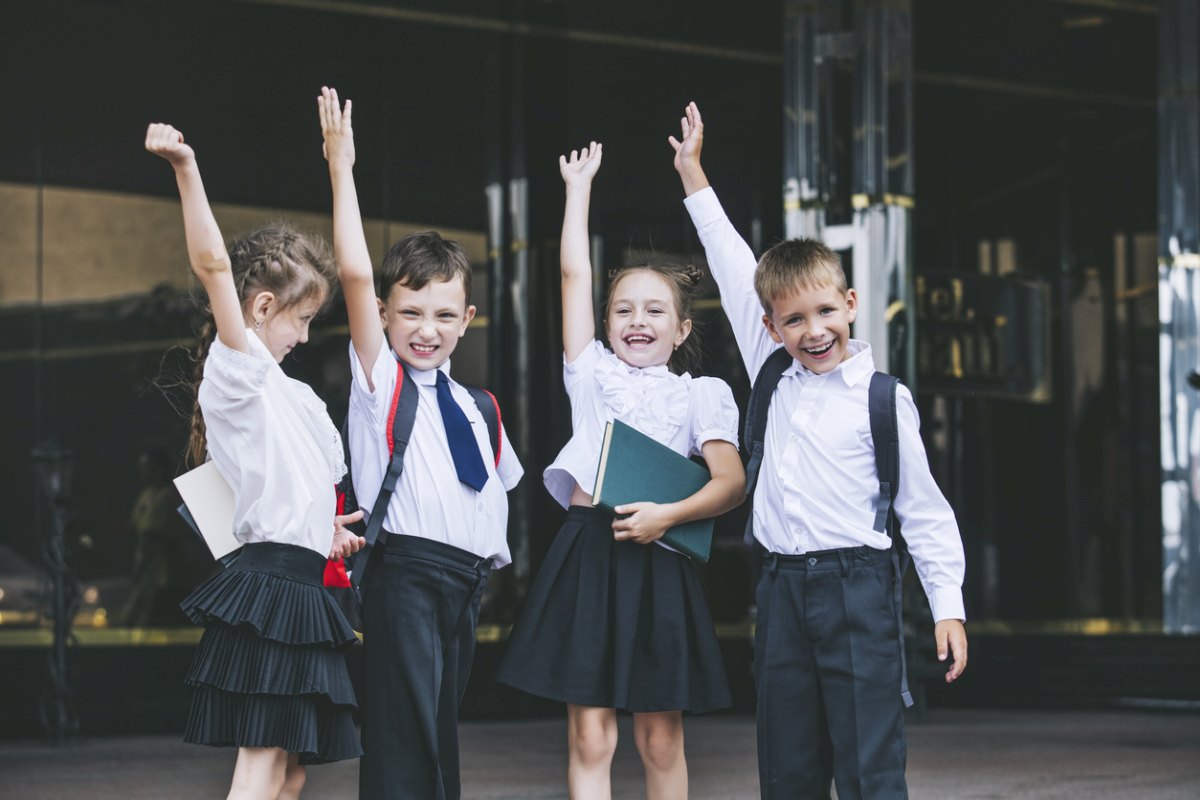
[620,312]
[408,313]
[796,320]
[656,311]
[827,310]
[447,315]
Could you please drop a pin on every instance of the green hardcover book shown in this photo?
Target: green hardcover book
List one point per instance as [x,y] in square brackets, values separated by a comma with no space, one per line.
[636,469]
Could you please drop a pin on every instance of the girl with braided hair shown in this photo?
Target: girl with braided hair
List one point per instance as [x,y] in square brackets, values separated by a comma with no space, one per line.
[269,675]
[615,619]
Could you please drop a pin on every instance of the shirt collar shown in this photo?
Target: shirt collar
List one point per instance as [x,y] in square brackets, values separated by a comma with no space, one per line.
[860,364]
[426,377]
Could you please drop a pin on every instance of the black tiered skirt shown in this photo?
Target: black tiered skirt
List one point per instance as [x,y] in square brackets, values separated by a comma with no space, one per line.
[616,625]
[269,670]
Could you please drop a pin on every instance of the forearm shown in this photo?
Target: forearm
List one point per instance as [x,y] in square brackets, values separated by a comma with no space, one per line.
[722,493]
[206,247]
[693,177]
[574,248]
[349,242]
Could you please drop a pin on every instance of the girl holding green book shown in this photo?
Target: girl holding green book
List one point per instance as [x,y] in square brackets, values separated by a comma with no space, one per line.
[616,619]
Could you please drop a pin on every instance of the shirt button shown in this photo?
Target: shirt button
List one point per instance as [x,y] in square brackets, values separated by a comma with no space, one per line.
[812,562]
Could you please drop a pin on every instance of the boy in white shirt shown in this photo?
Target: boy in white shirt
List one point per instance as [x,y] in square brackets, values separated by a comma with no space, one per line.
[445,525]
[828,653]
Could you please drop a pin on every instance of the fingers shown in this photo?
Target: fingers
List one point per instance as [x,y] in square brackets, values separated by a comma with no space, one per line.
[693,112]
[958,644]
[675,143]
[348,519]
[346,114]
[942,638]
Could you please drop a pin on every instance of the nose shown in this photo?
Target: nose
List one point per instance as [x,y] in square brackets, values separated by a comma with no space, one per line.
[304,334]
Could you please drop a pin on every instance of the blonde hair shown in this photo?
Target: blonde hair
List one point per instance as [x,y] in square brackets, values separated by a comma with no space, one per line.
[797,264]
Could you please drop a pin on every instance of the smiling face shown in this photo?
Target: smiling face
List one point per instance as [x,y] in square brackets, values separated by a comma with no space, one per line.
[424,325]
[643,322]
[283,329]
[813,325]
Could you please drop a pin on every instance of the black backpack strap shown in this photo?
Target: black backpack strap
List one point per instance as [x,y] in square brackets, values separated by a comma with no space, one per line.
[755,432]
[401,418]
[490,408]
[885,434]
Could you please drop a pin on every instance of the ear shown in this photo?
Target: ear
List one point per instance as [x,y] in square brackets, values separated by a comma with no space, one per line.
[851,305]
[467,317]
[261,307]
[775,336]
[382,313]
[685,330]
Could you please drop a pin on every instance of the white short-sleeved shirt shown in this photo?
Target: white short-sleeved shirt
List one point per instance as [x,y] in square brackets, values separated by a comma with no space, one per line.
[679,411]
[273,441]
[430,501]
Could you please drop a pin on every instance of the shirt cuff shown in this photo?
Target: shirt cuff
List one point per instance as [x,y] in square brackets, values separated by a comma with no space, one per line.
[704,207]
[715,435]
[946,603]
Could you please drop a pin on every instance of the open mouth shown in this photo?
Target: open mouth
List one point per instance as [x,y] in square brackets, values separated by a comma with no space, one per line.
[821,351]
[424,349]
[638,340]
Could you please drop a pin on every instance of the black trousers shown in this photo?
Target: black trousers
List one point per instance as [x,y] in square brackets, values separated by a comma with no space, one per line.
[420,608]
[827,675]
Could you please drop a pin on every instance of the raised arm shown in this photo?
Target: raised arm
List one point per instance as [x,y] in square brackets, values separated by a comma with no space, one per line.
[730,259]
[349,241]
[206,248]
[579,321]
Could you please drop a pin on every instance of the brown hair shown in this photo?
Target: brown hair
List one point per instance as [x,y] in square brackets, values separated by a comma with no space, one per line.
[797,264]
[419,258]
[683,279]
[293,265]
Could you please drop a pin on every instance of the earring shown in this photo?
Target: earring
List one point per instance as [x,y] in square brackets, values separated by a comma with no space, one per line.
[258,324]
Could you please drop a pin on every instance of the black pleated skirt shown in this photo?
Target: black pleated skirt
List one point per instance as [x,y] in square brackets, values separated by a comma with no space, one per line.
[269,670]
[616,625]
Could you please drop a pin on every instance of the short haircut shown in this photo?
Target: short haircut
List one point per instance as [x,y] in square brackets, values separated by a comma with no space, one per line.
[797,264]
[420,258]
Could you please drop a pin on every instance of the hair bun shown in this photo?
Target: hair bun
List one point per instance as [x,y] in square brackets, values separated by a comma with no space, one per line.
[691,275]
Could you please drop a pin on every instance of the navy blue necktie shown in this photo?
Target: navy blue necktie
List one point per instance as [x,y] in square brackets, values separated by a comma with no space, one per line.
[464,448]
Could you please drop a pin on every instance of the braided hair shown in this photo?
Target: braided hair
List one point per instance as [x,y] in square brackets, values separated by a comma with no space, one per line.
[279,258]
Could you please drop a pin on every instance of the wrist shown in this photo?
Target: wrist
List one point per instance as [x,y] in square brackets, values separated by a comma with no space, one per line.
[693,178]
[185,166]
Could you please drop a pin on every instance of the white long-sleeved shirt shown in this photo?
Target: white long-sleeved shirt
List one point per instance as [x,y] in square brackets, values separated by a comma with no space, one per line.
[818,484]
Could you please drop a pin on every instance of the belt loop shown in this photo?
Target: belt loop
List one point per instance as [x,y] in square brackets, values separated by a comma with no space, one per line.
[774,565]
[845,562]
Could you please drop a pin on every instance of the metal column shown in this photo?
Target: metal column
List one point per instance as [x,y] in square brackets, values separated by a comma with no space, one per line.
[1179,309]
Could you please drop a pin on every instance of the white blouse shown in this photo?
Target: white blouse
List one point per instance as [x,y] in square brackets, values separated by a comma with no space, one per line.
[273,441]
[679,411]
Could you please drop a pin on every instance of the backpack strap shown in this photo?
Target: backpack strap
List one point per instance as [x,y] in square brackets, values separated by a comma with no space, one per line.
[490,409]
[402,415]
[756,422]
[885,433]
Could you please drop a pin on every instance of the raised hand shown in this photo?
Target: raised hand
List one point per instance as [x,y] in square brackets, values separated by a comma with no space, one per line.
[336,128]
[581,167]
[687,149]
[166,142]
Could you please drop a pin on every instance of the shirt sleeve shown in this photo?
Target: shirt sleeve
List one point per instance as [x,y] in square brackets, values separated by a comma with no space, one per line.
[233,374]
[375,404]
[509,470]
[583,367]
[732,264]
[714,413]
[926,519]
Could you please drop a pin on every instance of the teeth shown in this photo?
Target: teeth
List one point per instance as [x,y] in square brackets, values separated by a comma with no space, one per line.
[816,351]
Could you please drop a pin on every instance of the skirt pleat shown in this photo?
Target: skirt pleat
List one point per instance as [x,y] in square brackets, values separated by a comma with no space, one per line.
[269,670]
[616,625]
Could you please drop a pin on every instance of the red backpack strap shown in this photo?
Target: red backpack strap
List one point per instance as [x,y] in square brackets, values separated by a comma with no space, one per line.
[391,421]
[489,407]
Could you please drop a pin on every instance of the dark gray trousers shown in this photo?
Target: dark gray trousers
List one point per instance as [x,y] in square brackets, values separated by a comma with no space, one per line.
[420,608]
[827,676]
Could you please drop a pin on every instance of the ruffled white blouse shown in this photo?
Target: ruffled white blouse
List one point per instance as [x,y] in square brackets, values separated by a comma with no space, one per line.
[273,441]
[678,411]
